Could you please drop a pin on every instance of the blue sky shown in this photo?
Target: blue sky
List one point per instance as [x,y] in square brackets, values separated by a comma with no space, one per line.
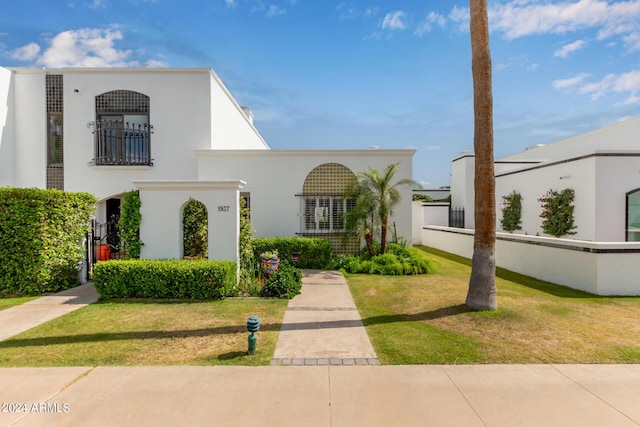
[354,74]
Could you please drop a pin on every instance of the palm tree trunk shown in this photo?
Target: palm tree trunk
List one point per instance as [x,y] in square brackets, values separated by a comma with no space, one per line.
[482,283]
[383,235]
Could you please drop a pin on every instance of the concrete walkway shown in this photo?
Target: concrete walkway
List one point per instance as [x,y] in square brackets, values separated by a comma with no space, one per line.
[322,325]
[23,317]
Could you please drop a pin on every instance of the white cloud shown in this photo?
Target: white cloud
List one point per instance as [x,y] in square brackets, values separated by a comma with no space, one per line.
[348,11]
[86,47]
[25,53]
[565,50]
[275,10]
[570,82]
[428,23]
[521,18]
[230,3]
[627,84]
[394,21]
[598,89]
[432,147]
[154,63]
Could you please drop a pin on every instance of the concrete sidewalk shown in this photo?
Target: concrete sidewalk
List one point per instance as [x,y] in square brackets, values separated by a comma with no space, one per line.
[20,318]
[483,395]
[322,325]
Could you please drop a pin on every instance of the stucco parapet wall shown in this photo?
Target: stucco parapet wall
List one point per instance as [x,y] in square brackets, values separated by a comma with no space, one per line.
[304,153]
[98,70]
[568,244]
[161,185]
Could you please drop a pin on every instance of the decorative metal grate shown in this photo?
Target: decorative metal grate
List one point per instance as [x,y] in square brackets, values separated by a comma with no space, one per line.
[54,89]
[122,143]
[456,217]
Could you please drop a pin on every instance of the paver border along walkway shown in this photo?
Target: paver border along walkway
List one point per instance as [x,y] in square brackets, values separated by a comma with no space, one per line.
[23,317]
[322,325]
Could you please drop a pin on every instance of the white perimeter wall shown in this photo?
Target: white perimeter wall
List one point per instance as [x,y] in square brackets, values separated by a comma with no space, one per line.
[7,148]
[428,213]
[274,177]
[462,192]
[572,263]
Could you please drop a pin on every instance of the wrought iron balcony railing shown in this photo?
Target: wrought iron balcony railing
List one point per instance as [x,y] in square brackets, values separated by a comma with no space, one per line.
[117,142]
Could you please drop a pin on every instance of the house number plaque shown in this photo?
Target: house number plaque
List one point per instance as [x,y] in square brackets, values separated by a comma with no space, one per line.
[223,208]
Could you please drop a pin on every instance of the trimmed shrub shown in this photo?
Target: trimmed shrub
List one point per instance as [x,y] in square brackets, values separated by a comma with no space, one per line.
[285,282]
[398,260]
[180,279]
[311,252]
[41,233]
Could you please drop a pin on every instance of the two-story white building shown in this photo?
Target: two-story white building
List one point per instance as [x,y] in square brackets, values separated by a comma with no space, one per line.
[174,134]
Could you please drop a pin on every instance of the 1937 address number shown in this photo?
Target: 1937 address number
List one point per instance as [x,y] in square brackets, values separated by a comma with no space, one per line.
[223,208]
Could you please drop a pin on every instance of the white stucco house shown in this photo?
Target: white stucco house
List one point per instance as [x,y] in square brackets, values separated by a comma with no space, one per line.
[603,169]
[174,134]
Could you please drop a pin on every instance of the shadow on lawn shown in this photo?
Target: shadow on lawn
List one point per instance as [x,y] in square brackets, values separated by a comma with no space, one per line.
[133,335]
[235,329]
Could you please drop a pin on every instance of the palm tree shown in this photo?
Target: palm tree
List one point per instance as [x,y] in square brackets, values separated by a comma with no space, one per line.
[482,283]
[375,199]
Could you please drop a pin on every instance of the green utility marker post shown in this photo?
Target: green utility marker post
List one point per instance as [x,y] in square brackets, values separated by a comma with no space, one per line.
[253,325]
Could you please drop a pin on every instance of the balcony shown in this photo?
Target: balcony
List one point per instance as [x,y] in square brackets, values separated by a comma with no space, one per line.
[120,143]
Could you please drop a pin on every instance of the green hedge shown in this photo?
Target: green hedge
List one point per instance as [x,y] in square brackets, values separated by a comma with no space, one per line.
[312,252]
[41,233]
[165,279]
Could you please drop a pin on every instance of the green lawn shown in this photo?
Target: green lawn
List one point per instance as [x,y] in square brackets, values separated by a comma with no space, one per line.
[423,320]
[10,302]
[150,333]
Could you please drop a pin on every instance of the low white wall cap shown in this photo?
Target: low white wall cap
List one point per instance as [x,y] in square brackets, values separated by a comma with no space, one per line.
[158,185]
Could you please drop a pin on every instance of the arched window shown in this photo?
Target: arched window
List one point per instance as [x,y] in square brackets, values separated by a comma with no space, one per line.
[323,203]
[633,216]
[122,129]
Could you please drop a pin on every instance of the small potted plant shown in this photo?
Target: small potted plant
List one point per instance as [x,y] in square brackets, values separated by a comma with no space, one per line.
[269,262]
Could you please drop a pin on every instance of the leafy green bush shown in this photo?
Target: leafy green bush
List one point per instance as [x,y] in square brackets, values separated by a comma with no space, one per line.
[285,282]
[312,252]
[195,229]
[165,279]
[129,224]
[41,233]
[557,212]
[511,212]
[398,260]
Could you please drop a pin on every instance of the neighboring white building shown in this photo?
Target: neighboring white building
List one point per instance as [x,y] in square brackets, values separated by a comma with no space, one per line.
[603,169]
[173,134]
